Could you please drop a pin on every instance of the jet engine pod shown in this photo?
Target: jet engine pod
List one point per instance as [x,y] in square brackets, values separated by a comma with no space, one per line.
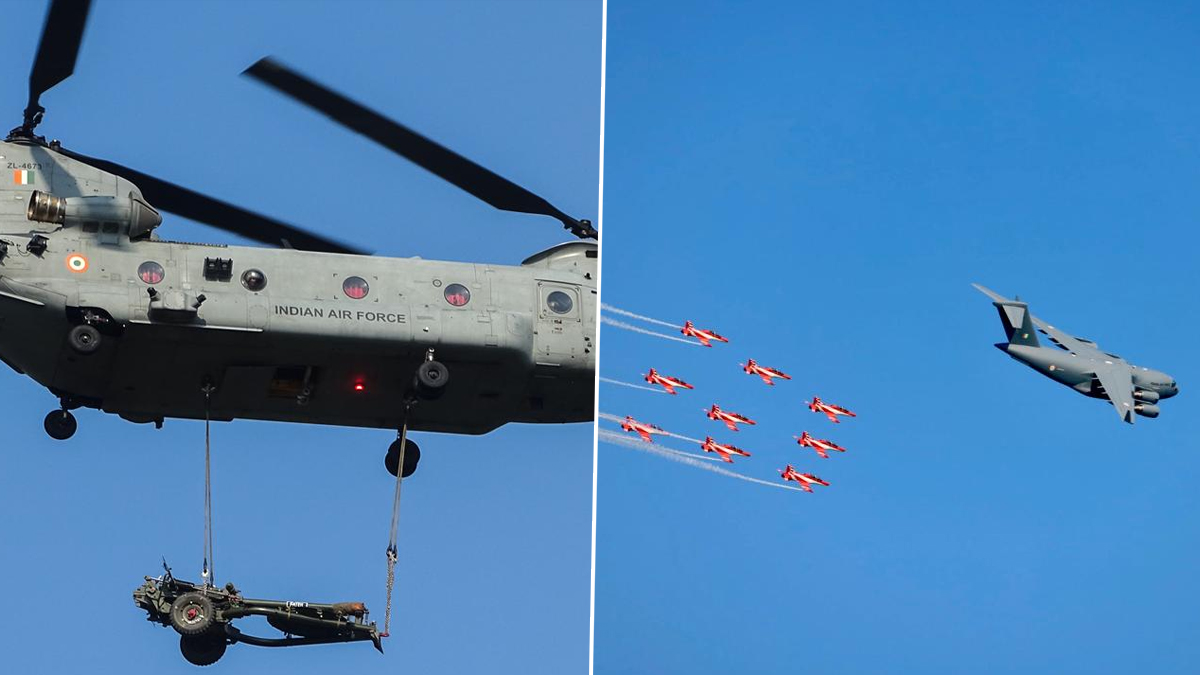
[137,217]
[1146,395]
[1146,410]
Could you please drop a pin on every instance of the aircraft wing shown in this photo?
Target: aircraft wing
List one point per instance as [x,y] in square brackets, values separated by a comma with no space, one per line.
[1067,342]
[1117,380]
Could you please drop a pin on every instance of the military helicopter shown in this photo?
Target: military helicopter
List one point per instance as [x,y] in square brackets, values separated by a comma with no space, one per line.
[106,314]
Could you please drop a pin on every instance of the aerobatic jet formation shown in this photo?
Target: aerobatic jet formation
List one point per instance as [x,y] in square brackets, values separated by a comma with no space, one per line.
[752,368]
[704,336]
[819,444]
[724,451]
[831,411]
[804,480]
[668,383]
[641,428]
[1079,363]
[731,419]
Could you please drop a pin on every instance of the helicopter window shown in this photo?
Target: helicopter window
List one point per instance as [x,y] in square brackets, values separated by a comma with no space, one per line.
[355,288]
[254,280]
[559,302]
[110,228]
[91,226]
[458,295]
[151,272]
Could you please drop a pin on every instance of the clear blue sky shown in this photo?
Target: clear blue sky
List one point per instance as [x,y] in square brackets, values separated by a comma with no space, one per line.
[822,184]
[495,532]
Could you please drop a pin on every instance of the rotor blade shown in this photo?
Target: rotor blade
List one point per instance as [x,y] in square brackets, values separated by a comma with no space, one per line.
[221,215]
[57,49]
[437,159]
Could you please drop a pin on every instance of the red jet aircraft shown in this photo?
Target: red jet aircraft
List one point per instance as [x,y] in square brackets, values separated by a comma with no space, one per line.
[764,372]
[731,419]
[668,383]
[819,444]
[704,336]
[831,411]
[804,480]
[709,445]
[644,430]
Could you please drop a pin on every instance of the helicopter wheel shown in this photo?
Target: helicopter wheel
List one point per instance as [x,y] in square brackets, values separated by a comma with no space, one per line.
[84,339]
[431,379]
[412,455]
[60,424]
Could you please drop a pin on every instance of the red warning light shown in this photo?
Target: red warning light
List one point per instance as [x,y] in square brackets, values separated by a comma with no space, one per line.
[359,386]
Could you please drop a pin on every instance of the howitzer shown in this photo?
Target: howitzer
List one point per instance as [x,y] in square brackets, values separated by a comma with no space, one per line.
[203,616]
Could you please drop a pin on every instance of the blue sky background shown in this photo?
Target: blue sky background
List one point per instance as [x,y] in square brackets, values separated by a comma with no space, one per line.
[822,183]
[495,531]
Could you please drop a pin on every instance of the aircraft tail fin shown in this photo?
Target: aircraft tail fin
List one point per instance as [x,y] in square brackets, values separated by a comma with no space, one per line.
[1018,326]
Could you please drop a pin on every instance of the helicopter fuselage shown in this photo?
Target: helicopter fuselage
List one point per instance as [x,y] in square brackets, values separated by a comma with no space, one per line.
[281,334]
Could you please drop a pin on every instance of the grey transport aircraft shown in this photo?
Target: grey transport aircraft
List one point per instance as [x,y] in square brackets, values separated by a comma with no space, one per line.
[1081,364]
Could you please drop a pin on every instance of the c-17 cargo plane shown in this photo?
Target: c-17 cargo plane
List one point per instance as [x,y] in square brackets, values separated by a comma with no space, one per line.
[1079,363]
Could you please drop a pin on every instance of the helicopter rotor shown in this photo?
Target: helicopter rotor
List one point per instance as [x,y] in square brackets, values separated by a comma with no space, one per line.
[425,153]
[222,215]
[56,54]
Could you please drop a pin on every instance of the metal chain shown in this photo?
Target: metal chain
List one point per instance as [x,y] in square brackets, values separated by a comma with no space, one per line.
[208,574]
[391,549]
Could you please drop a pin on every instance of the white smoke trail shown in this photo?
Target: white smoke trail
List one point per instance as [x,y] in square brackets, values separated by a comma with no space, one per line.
[614,438]
[643,331]
[663,432]
[633,386]
[636,443]
[622,312]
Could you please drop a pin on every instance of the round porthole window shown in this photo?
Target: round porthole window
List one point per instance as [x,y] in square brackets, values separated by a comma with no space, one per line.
[254,280]
[559,302]
[151,272]
[458,295]
[355,288]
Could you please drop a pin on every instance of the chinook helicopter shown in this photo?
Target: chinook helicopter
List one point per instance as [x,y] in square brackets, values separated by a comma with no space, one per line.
[105,313]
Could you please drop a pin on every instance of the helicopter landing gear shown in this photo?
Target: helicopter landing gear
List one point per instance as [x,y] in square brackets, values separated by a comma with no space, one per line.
[412,455]
[84,339]
[60,424]
[430,380]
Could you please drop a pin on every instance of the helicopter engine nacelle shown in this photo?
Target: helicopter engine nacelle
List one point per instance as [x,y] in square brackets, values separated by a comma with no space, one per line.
[1146,410]
[132,212]
[1146,395]
[575,256]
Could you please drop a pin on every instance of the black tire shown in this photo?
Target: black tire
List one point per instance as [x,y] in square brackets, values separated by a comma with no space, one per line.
[202,651]
[192,614]
[60,425]
[430,380]
[411,456]
[84,339]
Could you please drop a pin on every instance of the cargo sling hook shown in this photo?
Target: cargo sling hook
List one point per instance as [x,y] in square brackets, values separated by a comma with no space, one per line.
[391,549]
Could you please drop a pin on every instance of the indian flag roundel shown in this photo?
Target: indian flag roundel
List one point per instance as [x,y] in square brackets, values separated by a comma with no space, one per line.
[77,262]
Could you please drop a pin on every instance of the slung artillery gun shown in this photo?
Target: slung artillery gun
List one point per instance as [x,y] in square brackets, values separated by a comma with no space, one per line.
[203,616]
